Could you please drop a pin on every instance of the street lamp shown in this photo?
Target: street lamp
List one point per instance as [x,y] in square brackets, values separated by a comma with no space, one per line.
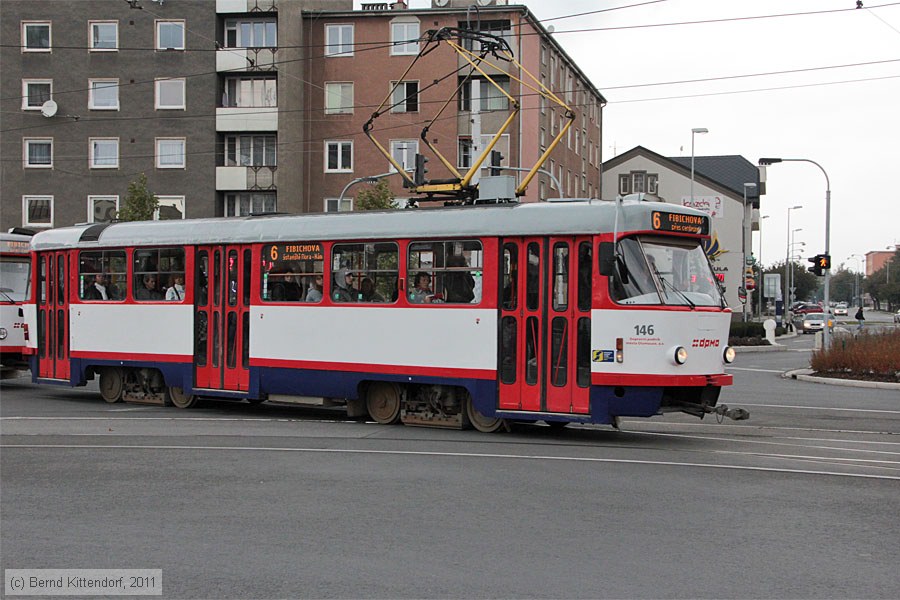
[826,335]
[694,132]
[787,256]
[745,242]
[759,262]
[791,279]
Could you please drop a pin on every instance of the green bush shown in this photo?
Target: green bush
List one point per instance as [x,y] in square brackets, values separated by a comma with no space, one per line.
[741,329]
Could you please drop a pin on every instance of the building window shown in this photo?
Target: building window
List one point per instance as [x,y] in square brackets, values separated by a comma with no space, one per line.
[405,96]
[464,153]
[36,36]
[338,204]
[251,33]
[338,157]
[491,97]
[170,94]
[553,179]
[104,153]
[404,152]
[103,94]
[170,35]
[35,92]
[501,28]
[250,150]
[239,204]
[170,153]
[170,208]
[250,92]
[338,40]
[405,38]
[102,209]
[652,183]
[338,98]
[104,35]
[37,211]
[38,153]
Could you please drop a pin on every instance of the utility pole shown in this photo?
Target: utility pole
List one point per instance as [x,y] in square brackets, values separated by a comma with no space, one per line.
[475,112]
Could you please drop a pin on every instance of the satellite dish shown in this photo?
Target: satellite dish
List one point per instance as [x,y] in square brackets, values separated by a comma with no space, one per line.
[550,28]
[49,108]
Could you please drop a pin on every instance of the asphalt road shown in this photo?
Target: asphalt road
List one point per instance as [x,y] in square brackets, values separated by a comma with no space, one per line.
[234,501]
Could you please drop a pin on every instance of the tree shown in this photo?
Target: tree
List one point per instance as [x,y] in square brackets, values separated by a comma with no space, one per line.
[375,197]
[140,204]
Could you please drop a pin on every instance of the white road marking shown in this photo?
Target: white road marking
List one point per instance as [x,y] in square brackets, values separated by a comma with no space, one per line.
[454,454]
[864,410]
[769,443]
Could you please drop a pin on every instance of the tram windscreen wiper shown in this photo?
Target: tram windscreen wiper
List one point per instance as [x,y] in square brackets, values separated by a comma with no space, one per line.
[7,297]
[673,288]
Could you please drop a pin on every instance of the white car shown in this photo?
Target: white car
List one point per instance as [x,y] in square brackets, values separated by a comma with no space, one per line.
[841,310]
[897,317]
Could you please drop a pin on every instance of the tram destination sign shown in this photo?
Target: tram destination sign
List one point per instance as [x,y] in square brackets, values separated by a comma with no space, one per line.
[680,223]
[290,252]
[14,247]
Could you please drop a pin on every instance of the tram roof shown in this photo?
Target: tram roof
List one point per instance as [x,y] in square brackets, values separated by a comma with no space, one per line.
[532,219]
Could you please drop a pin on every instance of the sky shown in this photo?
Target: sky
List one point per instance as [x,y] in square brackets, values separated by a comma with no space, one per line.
[845,118]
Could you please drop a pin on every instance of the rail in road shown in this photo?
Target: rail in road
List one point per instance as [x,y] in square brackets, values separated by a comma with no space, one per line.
[791,435]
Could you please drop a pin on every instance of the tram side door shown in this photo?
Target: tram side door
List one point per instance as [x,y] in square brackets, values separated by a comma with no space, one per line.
[222,318]
[53,316]
[544,345]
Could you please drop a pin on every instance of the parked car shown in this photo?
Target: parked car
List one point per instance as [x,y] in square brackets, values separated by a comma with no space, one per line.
[807,308]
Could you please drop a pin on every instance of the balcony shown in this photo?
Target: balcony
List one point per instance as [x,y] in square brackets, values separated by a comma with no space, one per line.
[246,59]
[247,119]
[245,6]
[240,179]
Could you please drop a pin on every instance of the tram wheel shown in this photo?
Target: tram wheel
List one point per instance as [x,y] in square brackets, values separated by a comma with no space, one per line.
[179,399]
[383,403]
[481,422]
[557,425]
[112,384]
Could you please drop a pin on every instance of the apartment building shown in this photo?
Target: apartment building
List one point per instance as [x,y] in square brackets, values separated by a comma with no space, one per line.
[367,52]
[97,93]
[232,107]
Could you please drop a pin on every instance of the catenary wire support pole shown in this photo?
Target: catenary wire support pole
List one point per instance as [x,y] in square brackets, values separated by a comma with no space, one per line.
[826,334]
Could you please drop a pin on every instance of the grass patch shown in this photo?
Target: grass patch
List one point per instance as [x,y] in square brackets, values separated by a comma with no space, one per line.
[864,356]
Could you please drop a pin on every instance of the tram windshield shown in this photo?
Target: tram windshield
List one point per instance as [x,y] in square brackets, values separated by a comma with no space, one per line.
[15,278]
[655,270]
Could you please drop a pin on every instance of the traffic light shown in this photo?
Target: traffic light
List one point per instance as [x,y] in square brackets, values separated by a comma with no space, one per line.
[419,176]
[821,263]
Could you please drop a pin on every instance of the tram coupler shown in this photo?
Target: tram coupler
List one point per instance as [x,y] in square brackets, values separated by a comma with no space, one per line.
[735,414]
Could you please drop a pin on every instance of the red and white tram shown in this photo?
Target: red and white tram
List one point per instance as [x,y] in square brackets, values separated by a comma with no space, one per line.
[439,317]
[15,282]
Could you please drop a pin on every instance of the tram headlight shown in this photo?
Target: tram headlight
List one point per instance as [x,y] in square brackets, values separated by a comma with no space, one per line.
[3,333]
[728,355]
[680,355]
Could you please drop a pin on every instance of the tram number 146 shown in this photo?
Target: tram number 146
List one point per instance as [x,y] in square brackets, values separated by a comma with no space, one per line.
[643,330]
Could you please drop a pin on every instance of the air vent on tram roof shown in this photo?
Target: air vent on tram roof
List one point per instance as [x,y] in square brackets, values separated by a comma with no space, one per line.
[92,233]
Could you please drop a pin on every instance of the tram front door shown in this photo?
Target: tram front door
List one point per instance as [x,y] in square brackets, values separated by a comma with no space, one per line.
[53,316]
[545,325]
[222,318]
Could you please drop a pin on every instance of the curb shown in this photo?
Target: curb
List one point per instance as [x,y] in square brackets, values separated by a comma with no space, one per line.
[745,349]
[806,375]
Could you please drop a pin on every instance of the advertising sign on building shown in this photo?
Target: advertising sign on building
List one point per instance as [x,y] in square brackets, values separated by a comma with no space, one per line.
[714,206]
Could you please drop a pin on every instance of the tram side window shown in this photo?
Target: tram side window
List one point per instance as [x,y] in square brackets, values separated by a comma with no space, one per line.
[445,272]
[156,272]
[364,272]
[292,272]
[102,275]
